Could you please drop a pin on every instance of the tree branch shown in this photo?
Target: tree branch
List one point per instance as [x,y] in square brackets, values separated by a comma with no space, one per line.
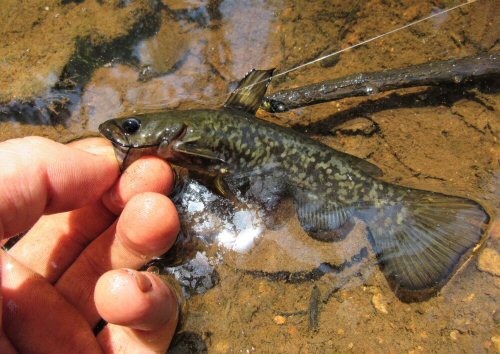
[436,73]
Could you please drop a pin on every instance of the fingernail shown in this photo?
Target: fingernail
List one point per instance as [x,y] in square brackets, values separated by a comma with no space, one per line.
[143,282]
[112,201]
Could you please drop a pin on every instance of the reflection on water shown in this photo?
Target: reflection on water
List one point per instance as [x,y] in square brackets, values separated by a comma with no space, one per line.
[254,284]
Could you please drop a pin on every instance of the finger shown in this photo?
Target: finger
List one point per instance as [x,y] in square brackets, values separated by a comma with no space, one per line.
[147,228]
[55,241]
[148,174]
[36,318]
[6,346]
[41,176]
[144,325]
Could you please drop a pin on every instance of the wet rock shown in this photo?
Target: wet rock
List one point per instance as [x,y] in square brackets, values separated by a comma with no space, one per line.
[489,261]
[379,302]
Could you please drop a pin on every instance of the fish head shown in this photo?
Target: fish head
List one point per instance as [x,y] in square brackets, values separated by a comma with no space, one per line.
[136,136]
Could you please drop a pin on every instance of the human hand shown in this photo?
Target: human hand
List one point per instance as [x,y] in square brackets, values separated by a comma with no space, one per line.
[67,272]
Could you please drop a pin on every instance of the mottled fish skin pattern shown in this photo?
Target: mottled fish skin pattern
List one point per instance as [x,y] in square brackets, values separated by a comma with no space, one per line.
[246,143]
[419,237]
[253,146]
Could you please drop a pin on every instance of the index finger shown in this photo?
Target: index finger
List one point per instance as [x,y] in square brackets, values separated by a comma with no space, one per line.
[40,176]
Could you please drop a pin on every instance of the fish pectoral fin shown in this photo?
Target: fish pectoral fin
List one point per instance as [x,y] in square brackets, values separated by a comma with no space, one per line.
[250,91]
[214,182]
[191,149]
[323,220]
[422,239]
[221,187]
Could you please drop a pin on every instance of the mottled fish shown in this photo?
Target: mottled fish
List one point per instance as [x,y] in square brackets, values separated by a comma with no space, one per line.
[419,237]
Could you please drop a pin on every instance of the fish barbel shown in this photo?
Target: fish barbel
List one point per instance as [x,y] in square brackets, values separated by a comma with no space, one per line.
[420,237]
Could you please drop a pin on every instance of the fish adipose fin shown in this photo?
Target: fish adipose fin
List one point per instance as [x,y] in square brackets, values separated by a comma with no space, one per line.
[250,91]
[422,238]
[322,220]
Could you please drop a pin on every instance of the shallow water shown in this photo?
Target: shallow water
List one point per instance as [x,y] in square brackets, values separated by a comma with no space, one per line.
[98,61]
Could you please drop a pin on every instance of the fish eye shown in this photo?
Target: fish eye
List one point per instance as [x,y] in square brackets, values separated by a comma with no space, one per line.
[131,125]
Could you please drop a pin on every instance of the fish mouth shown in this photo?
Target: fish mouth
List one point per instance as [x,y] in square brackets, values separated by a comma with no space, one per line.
[121,154]
[113,132]
[126,155]
[127,152]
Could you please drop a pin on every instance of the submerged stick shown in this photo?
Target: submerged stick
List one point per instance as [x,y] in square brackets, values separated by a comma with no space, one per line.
[454,71]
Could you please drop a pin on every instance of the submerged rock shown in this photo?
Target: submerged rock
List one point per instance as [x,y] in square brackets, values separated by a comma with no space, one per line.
[37,46]
[160,54]
[489,261]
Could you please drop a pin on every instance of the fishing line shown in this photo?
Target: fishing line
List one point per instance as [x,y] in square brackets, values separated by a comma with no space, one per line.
[411,24]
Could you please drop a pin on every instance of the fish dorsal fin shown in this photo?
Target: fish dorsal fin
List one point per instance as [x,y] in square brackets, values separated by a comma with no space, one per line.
[250,91]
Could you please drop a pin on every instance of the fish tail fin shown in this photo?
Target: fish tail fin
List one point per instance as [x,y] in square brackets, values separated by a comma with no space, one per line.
[421,238]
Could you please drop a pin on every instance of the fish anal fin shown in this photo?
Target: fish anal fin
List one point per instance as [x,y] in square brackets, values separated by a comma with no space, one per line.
[250,92]
[422,239]
[337,234]
[323,220]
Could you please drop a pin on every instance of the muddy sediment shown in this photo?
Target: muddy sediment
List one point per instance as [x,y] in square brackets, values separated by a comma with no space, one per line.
[441,139]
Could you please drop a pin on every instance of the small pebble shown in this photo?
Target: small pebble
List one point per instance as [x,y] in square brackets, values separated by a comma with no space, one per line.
[489,261]
[279,320]
[496,316]
[379,302]
[470,297]
[222,347]
[454,335]
[496,342]
[487,344]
